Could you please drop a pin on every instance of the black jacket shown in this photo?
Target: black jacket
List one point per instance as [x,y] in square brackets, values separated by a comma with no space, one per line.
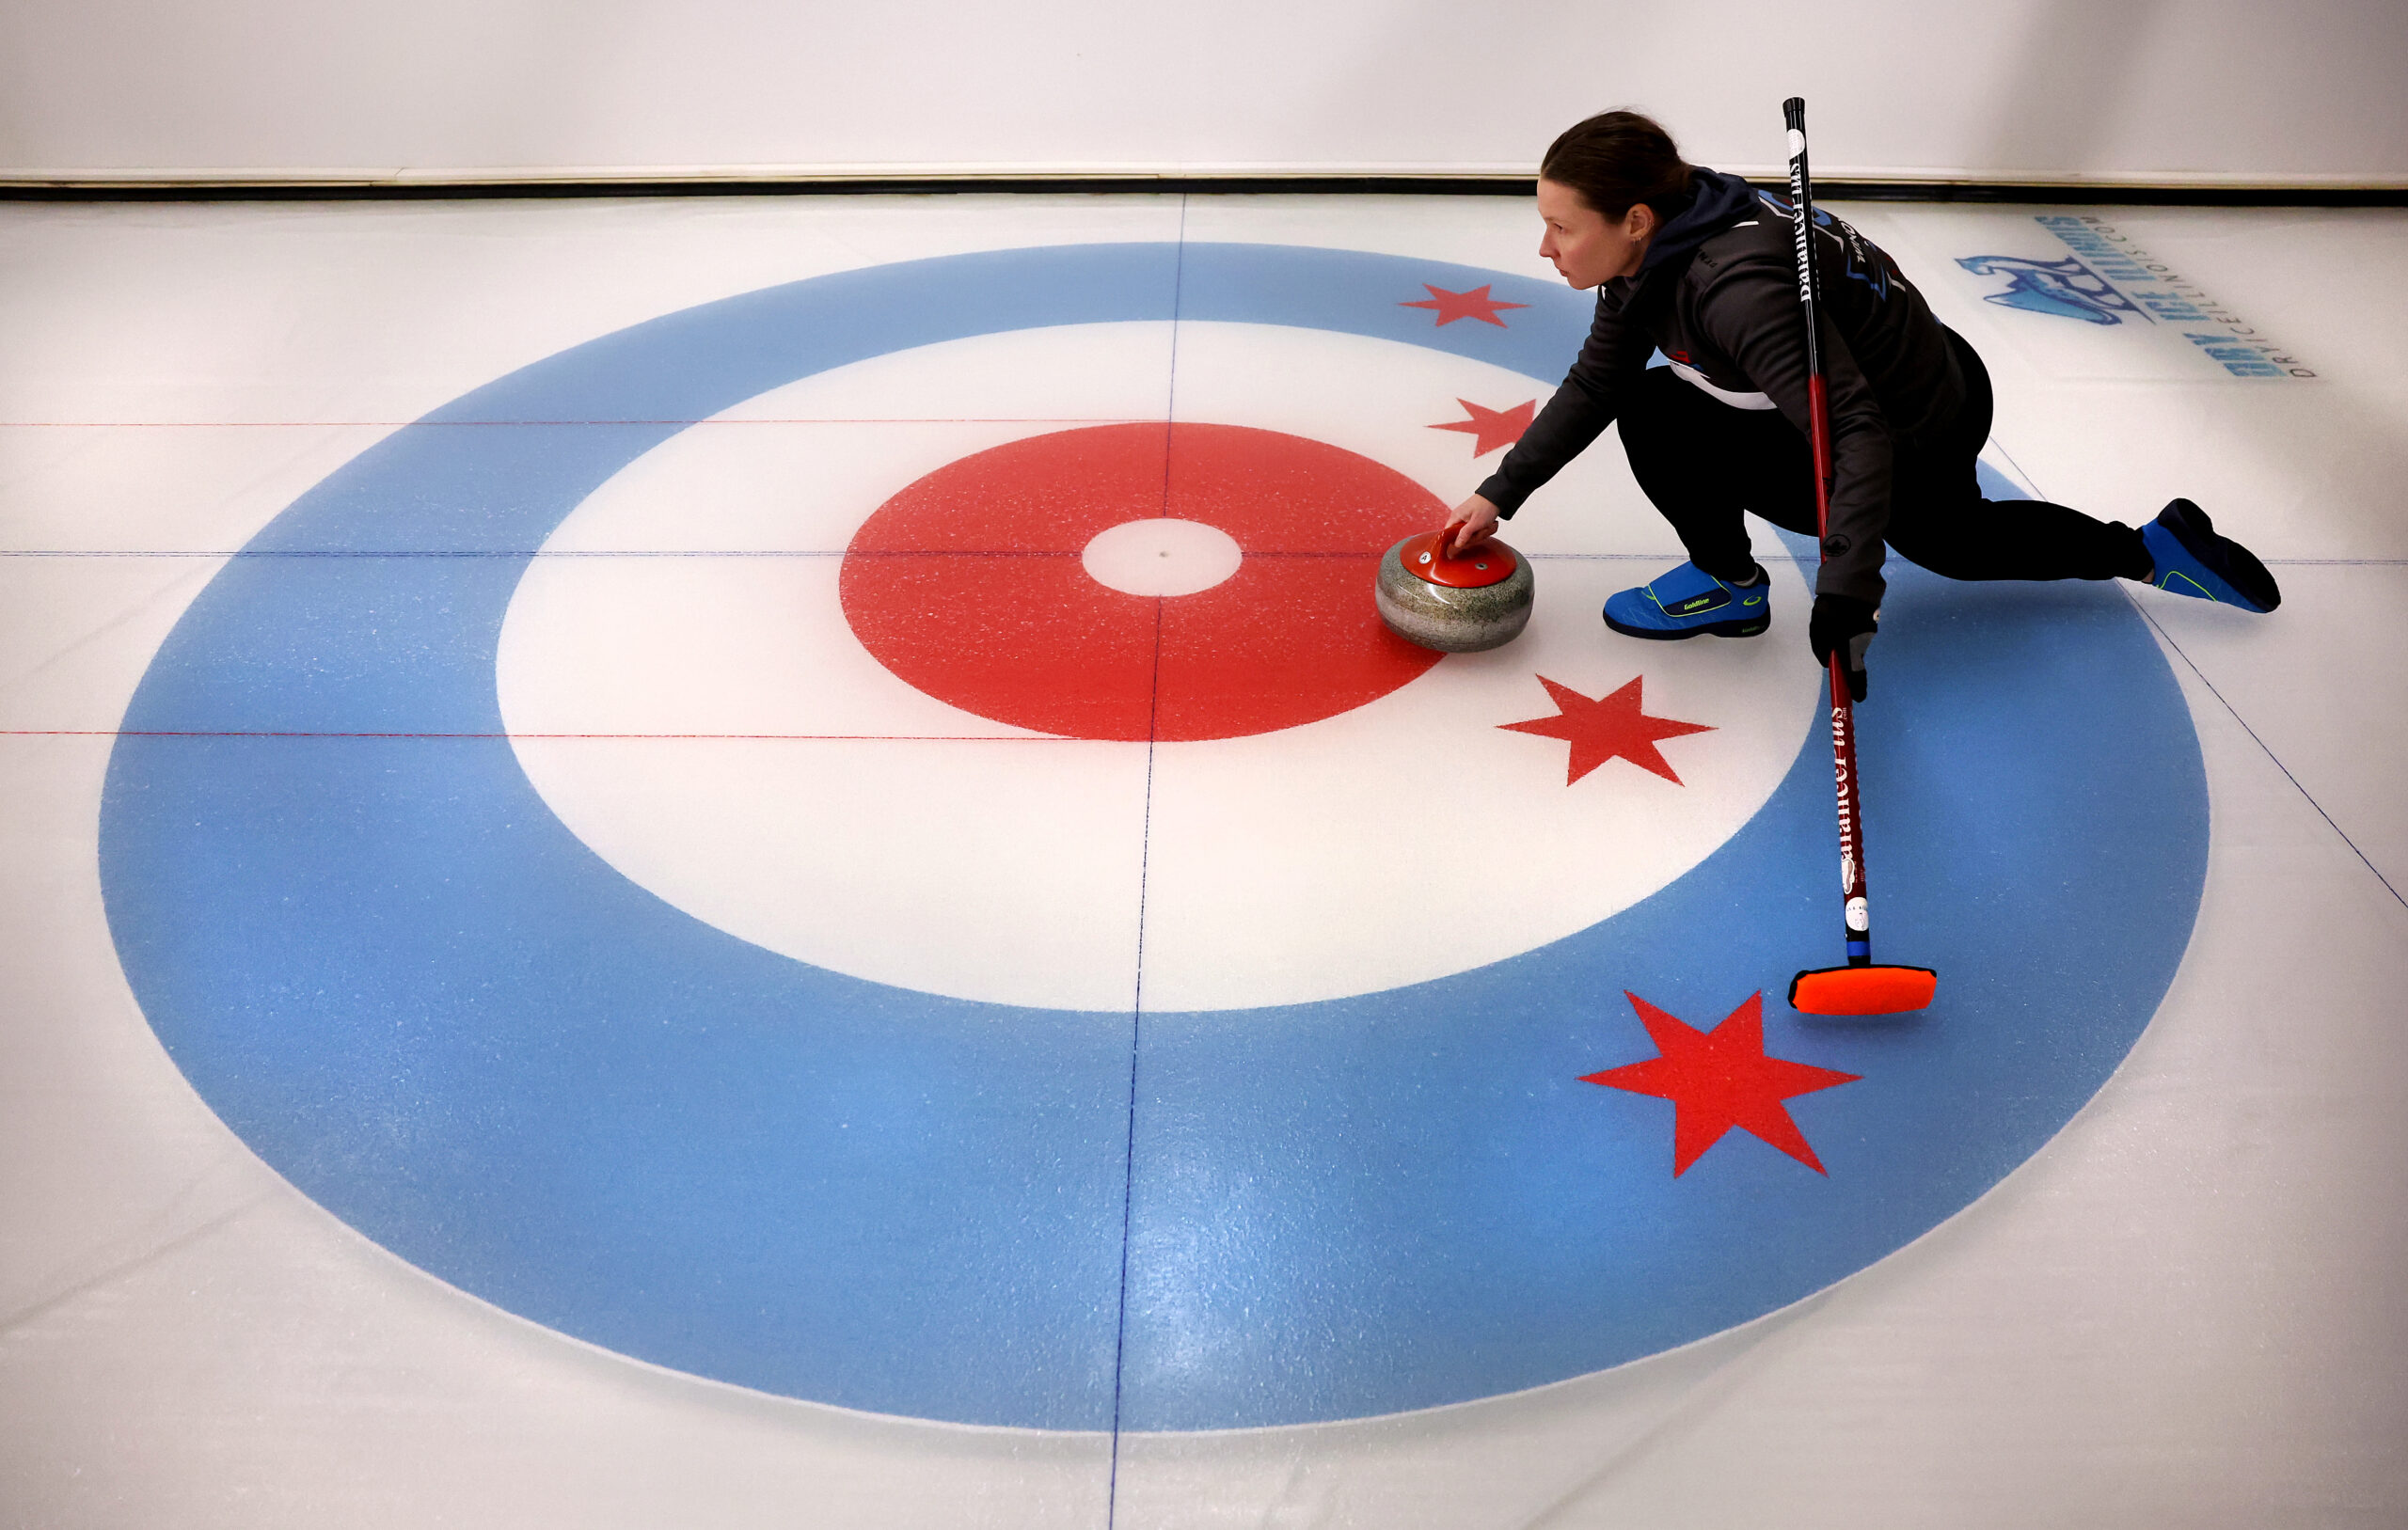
[1718,292]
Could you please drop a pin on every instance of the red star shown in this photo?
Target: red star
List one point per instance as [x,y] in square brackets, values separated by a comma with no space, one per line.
[1491,428]
[1720,1079]
[1475,304]
[1608,726]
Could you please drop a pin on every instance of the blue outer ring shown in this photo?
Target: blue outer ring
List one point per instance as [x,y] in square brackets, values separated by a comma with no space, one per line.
[403,982]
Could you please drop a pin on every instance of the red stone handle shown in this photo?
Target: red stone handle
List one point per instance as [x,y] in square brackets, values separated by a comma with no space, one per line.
[1428,560]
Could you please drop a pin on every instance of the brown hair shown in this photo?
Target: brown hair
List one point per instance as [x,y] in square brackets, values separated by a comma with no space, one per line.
[1615,159]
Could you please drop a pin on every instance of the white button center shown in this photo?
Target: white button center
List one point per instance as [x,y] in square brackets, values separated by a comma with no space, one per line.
[1162,557]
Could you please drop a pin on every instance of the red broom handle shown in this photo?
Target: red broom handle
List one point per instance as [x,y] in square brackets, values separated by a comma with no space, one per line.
[1857,918]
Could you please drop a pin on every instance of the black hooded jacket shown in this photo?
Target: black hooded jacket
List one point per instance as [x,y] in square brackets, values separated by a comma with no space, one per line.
[1717,293]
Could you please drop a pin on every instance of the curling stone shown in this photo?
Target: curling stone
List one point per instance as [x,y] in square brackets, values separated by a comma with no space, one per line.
[1456,602]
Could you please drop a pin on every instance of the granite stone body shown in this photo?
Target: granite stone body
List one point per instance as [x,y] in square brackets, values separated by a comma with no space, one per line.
[1452,620]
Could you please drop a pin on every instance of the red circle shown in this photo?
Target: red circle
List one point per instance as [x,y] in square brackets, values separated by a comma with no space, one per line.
[968,585]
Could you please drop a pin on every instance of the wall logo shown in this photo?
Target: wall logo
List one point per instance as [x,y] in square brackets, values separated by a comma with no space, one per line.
[2110,280]
[2064,287]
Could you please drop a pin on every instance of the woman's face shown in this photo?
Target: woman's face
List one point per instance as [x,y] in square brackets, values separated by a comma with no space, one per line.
[1584,245]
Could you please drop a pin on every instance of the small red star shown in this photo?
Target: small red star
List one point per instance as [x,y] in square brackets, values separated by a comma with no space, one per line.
[1720,1079]
[1492,428]
[1608,726]
[1475,304]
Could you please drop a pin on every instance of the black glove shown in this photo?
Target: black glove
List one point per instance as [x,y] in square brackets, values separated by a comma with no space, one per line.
[1844,625]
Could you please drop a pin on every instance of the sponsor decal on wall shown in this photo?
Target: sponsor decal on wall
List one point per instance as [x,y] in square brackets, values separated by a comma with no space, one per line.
[2111,280]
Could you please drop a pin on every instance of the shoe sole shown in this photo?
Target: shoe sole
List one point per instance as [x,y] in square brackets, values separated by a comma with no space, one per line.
[1716,629]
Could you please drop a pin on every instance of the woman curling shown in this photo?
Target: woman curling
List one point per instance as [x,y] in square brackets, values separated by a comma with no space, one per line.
[1698,264]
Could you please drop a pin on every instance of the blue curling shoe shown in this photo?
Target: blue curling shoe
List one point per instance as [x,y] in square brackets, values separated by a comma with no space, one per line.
[1687,601]
[2192,560]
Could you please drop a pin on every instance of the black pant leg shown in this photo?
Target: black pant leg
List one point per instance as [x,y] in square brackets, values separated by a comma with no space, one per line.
[1705,464]
[1940,520]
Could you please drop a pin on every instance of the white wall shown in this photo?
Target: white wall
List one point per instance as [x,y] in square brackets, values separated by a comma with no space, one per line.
[2150,90]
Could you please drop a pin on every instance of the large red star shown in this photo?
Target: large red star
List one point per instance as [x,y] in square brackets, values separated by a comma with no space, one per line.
[1720,1079]
[1608,726]
[1475,304]
[1491,428]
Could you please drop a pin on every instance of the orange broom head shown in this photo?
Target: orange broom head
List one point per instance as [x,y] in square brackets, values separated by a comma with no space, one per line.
[1862,990]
